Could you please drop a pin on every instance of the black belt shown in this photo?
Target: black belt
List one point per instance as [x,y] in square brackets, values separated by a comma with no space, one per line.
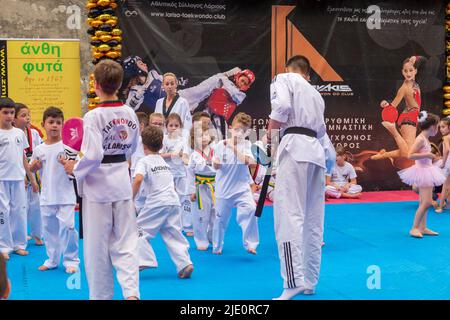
[300,130]
[116,158]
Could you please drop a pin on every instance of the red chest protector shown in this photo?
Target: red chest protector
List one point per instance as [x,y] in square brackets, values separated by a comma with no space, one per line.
[221,103]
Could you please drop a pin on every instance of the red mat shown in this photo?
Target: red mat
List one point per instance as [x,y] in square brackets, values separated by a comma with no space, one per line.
[379,196]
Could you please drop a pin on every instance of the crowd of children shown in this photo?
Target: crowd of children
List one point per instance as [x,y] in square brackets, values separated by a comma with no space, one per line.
[176,178]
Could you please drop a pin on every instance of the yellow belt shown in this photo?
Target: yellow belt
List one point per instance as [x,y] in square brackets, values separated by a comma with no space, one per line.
[204,180]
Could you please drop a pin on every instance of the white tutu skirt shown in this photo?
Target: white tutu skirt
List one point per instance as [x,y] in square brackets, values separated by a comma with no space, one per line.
[422,176]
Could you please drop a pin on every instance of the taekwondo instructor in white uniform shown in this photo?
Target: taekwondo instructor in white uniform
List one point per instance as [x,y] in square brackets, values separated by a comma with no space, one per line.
[298,113]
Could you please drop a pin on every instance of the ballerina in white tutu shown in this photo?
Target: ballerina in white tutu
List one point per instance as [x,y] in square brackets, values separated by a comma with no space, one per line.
[444,127]
[423,173]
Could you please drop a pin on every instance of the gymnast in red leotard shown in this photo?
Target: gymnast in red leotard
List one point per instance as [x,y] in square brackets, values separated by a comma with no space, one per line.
[407,121]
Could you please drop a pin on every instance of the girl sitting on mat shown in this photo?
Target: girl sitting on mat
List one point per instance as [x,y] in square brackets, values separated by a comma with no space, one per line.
[423,173]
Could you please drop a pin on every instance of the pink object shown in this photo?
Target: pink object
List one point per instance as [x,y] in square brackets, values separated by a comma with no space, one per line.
[72,133]
[423,173]
[379,196]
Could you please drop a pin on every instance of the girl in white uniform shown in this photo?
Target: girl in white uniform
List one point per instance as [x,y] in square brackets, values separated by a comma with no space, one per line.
[175,153]
[22,121]
[201,183]
[231,160]
[161,211]
[13,198]
[444,127]
[57,197]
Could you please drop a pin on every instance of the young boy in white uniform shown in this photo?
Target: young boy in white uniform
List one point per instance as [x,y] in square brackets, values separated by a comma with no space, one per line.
[22,121]
[58,197]
[231,160]
[298,109]
[13,198]
[109,220]
[341,182]
[161,211]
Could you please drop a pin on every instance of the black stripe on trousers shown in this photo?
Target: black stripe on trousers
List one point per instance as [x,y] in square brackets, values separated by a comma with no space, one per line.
[289,268]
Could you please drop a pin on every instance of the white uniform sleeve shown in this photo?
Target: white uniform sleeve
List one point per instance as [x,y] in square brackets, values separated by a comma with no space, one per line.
[250,178]
[330,153]
[185,115]
[140,168]
[158,106]
[352,171]
[248,149]
[191,174]
[280,99]
[24,141]
[91,149]
[203,90]
[137,139]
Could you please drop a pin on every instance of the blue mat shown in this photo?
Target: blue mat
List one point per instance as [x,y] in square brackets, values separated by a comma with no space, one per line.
[357,236]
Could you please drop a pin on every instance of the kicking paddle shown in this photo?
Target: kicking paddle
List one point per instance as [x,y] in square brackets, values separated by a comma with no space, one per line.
[72,137]
[263,158]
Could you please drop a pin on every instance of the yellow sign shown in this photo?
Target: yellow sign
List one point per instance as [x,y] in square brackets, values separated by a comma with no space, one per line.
[41,73]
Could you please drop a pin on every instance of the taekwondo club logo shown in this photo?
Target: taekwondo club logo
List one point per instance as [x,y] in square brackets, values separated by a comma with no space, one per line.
[123,135]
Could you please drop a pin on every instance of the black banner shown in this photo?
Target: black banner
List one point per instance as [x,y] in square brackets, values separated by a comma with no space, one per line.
[357,50]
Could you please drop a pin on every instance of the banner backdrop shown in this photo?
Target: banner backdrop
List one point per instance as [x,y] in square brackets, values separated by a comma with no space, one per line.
[357,51]
[41,73]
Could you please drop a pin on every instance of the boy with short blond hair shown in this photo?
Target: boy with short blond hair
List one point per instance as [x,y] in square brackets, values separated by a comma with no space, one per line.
[231,160]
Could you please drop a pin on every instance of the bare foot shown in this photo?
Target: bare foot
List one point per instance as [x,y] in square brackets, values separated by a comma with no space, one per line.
[71,270]
[217,252]
[435,204]
[202,248]
[428,232]
[416,233]
[5,256]
[132,298]
[38,241]
[189,234]
[251,251]
[21,252]
[43,268]
[186,272]
[379,155]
